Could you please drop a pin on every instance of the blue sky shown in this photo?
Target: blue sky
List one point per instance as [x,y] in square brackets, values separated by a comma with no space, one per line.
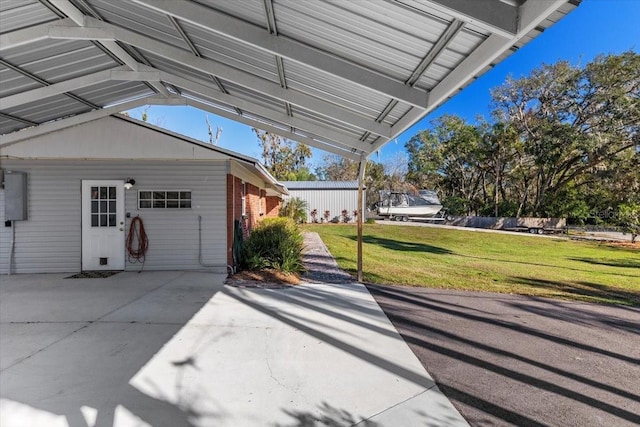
[595,27]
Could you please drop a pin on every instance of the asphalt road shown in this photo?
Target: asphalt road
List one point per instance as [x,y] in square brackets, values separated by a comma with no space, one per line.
[516,360]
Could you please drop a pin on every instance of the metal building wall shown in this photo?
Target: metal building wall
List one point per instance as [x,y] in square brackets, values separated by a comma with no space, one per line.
[333,200]
[50,240]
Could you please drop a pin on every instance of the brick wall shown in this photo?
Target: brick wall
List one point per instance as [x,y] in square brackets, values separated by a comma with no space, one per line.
[273,206]
[257,207]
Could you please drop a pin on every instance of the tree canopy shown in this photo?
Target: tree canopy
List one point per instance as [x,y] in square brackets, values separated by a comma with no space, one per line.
[563,141]
[284,159]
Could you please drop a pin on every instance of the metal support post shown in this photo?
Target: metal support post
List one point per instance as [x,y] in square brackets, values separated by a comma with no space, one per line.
[363,166]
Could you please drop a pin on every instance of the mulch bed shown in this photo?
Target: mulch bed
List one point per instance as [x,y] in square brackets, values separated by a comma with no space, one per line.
[266,279]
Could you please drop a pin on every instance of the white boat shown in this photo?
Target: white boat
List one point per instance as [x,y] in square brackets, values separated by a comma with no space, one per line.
[401,206]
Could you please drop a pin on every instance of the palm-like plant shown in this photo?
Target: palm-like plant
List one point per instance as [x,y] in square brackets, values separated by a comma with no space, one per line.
[296,209]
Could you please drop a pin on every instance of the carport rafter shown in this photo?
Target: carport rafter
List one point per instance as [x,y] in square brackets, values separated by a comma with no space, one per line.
[286,48]
[44,83]
[531,14]
[333,135]
[44,128]
[272,28]
[103,32]
[76,15]
[117,73]
[316,143]
[150,74]
[12,138]
[495,17]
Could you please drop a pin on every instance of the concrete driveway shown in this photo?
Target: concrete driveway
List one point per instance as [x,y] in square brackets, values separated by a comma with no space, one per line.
[183,349]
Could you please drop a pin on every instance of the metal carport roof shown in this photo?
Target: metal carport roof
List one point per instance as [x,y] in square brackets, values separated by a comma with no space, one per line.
[342,76]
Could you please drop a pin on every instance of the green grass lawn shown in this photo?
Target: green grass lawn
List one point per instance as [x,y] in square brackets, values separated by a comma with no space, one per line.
[459,259]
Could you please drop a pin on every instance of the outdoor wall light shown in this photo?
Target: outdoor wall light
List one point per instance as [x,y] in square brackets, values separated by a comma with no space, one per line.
[130,182]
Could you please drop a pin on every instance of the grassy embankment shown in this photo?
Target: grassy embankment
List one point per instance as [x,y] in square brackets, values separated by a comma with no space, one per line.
[459,259]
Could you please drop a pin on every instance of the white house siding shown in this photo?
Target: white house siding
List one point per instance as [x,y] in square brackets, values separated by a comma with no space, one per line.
[333,200]
[50,240]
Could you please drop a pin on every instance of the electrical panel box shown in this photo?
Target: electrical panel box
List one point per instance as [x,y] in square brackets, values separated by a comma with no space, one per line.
[15,196]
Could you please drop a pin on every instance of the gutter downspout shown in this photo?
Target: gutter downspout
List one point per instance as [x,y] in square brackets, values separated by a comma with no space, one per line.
[363,166]
[12,245]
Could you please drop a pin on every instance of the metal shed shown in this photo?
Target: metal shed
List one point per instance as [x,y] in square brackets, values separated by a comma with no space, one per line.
[326,196]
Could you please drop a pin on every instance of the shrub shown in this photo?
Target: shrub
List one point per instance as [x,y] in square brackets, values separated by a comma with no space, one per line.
[370,221]
[296,209]
[345,216]
[276,243]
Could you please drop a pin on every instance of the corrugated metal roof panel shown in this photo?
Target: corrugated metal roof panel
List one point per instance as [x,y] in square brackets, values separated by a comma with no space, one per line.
[249,10]
[180,70]
[234,53]
[253,96]
[397,113]
[59,60]
[17,14]
[336,90]
[343,127]
[14,82]
[48,109]
[338,28]
[9,125]
[139,19]
[320,185]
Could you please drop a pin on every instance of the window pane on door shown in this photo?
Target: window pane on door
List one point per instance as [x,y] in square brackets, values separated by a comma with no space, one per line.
[103,206]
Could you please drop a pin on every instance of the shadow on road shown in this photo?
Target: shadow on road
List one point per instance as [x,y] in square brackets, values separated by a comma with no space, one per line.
[502,357]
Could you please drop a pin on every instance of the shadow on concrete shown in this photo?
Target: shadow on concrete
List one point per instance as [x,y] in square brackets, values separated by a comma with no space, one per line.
[91,365]
[455,330]
[326,416]
[298,324]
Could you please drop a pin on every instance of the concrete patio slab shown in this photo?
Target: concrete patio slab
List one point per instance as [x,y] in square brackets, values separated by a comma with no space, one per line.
[182,349]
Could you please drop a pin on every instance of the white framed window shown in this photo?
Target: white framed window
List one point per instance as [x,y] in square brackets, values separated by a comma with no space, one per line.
[164,199]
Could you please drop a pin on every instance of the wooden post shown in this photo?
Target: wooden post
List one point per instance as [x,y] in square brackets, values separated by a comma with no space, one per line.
[363,165]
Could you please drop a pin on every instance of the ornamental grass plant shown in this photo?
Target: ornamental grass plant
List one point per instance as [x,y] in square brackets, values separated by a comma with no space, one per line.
[276,243]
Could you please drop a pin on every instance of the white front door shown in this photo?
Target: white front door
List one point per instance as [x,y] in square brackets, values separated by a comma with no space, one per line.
[103,225]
